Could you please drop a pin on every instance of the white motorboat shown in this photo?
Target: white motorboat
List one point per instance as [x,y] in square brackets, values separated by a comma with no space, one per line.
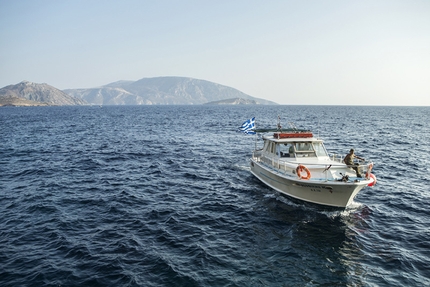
[296,163]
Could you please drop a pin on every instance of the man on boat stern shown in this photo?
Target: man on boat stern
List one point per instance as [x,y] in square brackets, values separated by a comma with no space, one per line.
[349,160]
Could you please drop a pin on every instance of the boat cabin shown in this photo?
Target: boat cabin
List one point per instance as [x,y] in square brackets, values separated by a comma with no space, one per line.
[291,148]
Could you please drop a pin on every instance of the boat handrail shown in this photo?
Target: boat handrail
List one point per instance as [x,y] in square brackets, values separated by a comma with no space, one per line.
[336,157]
[281,165]
[333,157]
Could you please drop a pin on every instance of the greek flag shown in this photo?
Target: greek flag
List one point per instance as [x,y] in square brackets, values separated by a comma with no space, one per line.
[248,127]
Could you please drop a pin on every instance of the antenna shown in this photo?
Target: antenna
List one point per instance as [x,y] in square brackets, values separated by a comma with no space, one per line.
[318,128]
[292,125]
[279,124]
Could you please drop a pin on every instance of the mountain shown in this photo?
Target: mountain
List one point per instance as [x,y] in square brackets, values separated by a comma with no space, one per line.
[235,101]
[32,94]
[161,91]
[147,91]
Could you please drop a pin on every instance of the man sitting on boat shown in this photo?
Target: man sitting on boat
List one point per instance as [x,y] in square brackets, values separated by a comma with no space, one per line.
[349,160]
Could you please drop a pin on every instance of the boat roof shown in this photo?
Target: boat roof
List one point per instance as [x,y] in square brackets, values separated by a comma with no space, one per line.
[291,136]
[290,140]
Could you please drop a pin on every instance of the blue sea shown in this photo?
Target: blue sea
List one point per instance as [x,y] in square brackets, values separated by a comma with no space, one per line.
[163,196]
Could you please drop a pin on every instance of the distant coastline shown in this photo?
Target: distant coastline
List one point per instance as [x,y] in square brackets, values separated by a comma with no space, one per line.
[234,101]
[146,91]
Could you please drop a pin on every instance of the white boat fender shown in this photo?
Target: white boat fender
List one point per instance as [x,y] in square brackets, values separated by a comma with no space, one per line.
[301,168]
[374,180]
[369,169]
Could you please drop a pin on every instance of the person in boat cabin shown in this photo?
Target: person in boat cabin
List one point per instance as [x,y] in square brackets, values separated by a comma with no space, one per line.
[291,150]
[286,150]
[349,160]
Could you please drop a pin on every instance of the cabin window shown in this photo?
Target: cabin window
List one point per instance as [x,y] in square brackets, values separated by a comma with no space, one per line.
[305,149]
[267,146]
[286,150]
[320,150]
[272,148]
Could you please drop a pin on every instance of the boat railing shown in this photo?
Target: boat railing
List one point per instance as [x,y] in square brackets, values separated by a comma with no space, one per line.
[285,167]
[257,154]
[336,157]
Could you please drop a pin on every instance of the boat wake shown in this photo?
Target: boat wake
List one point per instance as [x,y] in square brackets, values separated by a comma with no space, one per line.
[241,167]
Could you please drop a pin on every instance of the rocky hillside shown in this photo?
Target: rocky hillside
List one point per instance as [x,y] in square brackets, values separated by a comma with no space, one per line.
[18,102]
[161,91]
[31,94]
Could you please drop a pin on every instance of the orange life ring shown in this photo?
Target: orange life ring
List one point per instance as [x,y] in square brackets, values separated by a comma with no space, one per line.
[301,168]
[369,169]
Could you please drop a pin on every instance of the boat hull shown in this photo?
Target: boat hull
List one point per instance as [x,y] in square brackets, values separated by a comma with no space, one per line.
[337,194]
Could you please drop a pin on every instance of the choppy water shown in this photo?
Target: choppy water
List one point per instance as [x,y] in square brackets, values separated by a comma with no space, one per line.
[163,196]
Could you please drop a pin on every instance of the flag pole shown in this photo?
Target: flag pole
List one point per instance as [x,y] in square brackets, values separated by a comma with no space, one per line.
[255,141]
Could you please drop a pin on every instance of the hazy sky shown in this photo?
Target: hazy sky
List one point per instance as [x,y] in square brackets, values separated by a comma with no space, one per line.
[291,52]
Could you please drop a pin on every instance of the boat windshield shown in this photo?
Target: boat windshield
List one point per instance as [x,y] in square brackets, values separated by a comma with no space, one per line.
[286,150]
[304,149]
[295,149]
[319,149]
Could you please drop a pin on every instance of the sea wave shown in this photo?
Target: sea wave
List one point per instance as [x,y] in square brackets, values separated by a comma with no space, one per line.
[163,196]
